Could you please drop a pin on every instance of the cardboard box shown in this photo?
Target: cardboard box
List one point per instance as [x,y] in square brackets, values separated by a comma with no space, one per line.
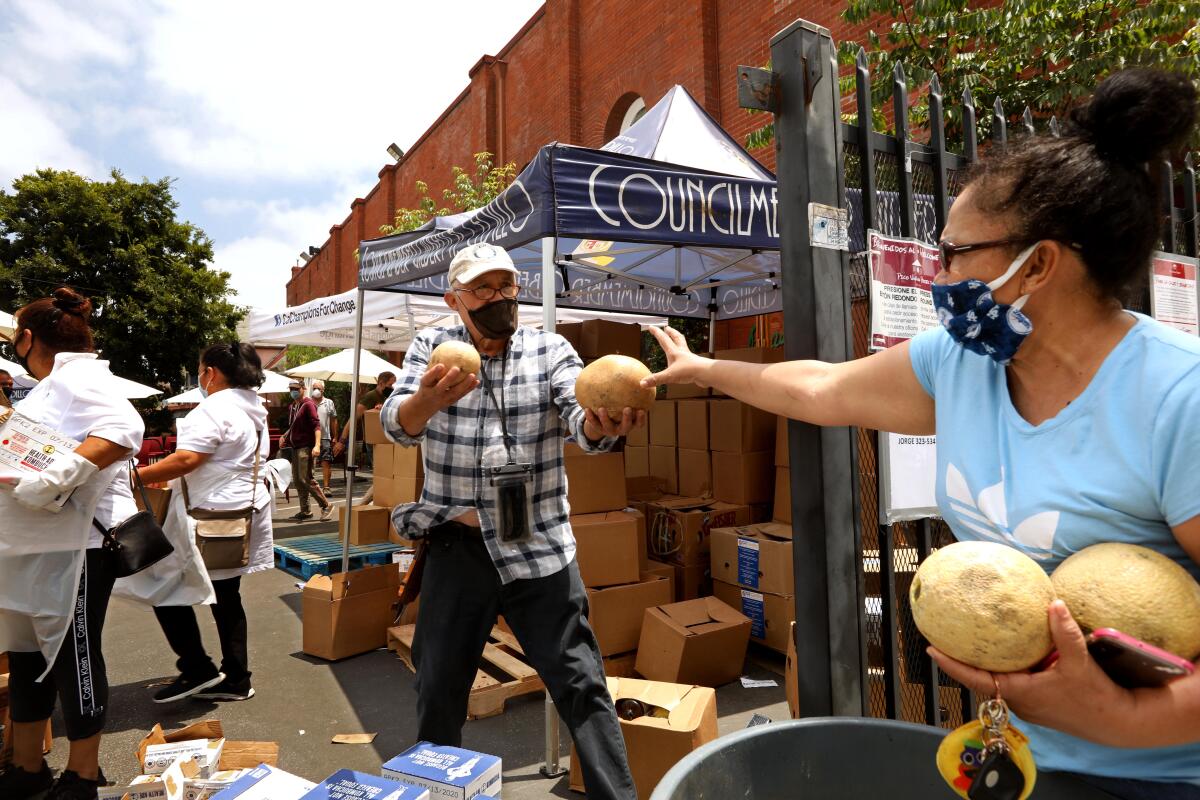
[682,391]
[571,331]
[699,641]
[615,612]
[368,524]
[743,478]
[678,528]
[606,547]
[666,570]
[246,754]
[637,461]
[755,556]
[235,755]
[791,683]
[205,753]
[394,491]
[692,581]
[207,788]
[639,436]
[695,473]
[655,744]
[664,468]
[663,423]
[346,784]
[737,427]
[265,782]
[394,460]
[595,481]
[171,784]
[783,494]
[373,428]
[771,615]
[643,557]
[782,457]
[621,666]
[691,421]
[349,613]
[602,337]
[755,355]
[447,772]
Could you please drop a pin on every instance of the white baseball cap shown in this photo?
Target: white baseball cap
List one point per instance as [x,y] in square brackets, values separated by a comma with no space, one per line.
[476,259]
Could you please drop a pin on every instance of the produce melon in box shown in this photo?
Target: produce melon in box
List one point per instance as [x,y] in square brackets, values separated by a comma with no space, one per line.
[1139,591]
[984,604]
[453,353]
[614,384]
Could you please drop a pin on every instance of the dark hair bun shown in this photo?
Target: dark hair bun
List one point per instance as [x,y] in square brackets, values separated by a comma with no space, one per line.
[71,302]
[1136,115]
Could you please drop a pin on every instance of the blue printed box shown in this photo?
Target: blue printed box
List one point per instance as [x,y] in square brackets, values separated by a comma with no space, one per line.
[447,772]
[266,783]
[755,557]
[346,784]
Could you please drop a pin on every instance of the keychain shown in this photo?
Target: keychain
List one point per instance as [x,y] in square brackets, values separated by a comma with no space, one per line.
[988,759]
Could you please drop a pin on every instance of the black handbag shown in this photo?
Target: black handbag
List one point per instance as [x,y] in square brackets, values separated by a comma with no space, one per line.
[138,542]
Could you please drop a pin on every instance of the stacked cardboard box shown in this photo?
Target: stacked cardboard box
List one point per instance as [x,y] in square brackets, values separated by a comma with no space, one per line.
[678,531]
[752,571]
[783,473]
[662,458]
[742,440]
[700,641]
[349,613]
[601,337]
[399,474]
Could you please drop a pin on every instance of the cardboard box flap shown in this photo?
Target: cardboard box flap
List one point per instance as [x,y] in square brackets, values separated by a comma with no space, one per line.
[355,582]
[248,755]
[684,703]
[702,615]
[208,729]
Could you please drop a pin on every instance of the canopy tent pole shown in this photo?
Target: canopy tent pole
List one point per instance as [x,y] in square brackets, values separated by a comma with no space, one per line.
[552,768]
[351,466]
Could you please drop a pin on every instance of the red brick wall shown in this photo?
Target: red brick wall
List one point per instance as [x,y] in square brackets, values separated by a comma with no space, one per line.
[559,79]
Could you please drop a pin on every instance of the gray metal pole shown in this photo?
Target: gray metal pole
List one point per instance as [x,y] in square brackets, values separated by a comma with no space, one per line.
[351,466]
[817,325]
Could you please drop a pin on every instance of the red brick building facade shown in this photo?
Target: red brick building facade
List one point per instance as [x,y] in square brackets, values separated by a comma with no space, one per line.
[570,74]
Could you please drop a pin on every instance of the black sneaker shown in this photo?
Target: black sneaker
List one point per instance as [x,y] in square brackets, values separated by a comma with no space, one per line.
[70,786]
[228,690]
[300,517]
[184,686]
[17,784]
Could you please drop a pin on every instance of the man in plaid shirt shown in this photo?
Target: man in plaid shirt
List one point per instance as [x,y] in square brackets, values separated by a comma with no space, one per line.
[517,410]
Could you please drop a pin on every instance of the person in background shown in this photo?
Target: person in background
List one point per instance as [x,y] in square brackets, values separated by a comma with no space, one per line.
[1062,419]
[55,578]
[304,437]
[6,385]
[370,401]
[220,448]
[327,413]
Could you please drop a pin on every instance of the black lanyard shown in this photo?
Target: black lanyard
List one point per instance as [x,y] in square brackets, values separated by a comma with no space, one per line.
[499,406]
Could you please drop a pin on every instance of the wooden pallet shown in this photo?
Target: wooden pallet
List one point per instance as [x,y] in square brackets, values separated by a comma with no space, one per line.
[503,673]
[321,554]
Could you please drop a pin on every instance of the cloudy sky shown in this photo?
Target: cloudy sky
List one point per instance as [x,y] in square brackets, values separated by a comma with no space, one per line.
[261,111]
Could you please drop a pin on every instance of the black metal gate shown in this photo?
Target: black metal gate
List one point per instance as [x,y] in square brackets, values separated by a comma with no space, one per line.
[890,183]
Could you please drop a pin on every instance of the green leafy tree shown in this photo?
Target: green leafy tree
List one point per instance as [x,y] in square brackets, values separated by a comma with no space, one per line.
[467,190]
[157,301]
[1044,54]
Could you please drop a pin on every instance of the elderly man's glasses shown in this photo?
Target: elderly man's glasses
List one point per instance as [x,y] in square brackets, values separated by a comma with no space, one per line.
[486,293]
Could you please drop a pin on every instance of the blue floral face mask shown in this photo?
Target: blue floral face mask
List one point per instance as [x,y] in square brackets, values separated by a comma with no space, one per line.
[976,321]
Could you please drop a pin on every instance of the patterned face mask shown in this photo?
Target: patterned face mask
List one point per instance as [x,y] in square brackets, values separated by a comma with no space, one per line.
[976,321]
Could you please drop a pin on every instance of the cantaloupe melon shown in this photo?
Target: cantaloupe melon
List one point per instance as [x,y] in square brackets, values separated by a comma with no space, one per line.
[614,384]
[984,604]
[454,353]
[1138,591]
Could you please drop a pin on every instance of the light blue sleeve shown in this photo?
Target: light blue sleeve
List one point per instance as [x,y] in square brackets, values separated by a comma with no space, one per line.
[1176,449]
[927,351]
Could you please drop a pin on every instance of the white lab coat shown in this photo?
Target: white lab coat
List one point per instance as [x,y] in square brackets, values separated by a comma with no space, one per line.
[41,553]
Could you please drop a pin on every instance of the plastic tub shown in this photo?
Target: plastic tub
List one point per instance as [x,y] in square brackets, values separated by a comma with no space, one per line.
[833,758]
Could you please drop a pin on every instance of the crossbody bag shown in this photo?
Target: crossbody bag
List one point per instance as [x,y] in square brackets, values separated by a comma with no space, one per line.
[223,537]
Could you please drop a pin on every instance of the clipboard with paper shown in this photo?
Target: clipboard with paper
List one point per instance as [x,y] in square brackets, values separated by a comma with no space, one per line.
[29,447]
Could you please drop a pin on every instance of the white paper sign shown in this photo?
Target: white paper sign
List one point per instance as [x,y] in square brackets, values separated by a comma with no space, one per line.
[1173,292]
[909,477]
[902,271]
[828,227]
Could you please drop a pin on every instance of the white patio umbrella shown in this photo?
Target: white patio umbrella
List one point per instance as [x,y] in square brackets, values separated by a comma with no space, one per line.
[340,367]
[131,390]
[273,383]
[8,325]
[11,367]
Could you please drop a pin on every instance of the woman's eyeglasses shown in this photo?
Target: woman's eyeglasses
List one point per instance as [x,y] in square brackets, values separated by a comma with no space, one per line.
[486,293]
[949,249]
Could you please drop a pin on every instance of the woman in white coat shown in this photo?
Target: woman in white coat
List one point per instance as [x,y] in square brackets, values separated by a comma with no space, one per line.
[221,448]
[55,580]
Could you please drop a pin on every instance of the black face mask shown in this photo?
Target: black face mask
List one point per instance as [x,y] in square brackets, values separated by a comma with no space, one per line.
[496,320]
[23,360]
[385,392]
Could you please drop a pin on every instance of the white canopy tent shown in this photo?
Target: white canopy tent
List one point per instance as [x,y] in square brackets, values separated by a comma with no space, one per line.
[390,320]
[273,383]
[343,366]
[8,325]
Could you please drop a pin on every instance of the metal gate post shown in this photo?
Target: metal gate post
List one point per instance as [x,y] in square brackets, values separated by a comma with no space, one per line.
[818,325]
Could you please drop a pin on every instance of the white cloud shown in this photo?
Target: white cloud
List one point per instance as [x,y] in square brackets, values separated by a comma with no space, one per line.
[30,138]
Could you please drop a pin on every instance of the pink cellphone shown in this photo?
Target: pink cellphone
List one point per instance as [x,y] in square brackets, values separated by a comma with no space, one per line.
[1133,663]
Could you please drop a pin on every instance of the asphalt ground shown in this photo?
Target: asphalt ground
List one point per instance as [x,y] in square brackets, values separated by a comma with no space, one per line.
[302,702]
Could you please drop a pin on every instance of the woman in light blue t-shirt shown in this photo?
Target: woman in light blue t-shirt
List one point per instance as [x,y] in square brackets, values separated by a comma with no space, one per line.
[1062,419]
